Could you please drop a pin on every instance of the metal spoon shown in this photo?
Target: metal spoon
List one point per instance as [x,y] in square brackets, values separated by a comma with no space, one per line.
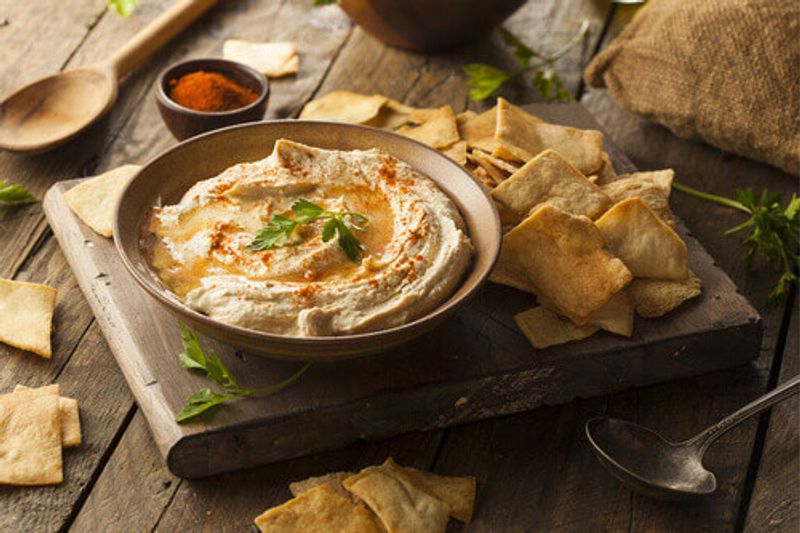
[650,464]
[53,109]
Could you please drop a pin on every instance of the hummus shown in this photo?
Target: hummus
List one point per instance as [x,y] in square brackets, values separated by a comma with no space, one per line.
[415,251]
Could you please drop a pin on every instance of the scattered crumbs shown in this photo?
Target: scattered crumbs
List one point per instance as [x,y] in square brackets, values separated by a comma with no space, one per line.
[88,243]
[461,402]
[100,275]
[4,22]
[166,483]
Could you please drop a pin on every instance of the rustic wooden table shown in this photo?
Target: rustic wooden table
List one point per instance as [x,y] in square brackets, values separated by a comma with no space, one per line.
[534,470]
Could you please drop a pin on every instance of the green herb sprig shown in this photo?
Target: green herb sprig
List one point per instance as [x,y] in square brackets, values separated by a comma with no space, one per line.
[15,194]
[486,80]
[194,357]
[324,2]
[280,228]
[774,231]
[123,7]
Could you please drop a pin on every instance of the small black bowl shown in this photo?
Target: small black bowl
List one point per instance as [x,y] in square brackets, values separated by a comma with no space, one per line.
[184,122]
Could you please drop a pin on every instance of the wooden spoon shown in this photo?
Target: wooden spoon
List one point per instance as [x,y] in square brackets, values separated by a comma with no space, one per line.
[52,110]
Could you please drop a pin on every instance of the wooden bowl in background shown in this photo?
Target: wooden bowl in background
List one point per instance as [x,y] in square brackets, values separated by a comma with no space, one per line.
[167,177]
[428,25]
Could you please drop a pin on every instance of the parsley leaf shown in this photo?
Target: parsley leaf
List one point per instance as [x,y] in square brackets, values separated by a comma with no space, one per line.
[280,228]
[194,357]
[774,231]
[15,194]
[324,2]
[486,80]
[123,7]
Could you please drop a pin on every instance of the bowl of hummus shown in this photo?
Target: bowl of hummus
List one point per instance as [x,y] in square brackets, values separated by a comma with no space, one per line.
[307,240]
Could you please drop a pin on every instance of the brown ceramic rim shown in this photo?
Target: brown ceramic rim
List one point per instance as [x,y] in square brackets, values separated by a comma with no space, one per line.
[203,64]
[442,311]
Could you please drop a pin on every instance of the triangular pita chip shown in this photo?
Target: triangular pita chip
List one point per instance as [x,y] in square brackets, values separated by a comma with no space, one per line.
[484,177]
[392,115]
[525,136]
[478,130]
[565,259]
[271,59]
[70,417]
[647,246]
[548,178]
[456,151]
[436,128]
[334,479]
[657,297]
[344,106]
[545,328]
[606,173]
[399,505]
[653,188]
[319,510]
[497,175]
[616,316]
[95,200]
[457,492]
[26,315]
[30,439]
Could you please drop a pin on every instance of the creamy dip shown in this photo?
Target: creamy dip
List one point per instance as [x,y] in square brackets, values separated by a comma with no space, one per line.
[415,250]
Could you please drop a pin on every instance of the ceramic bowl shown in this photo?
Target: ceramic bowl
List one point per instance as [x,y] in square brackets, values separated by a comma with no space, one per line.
[184,122]
[166,178]
[428,25]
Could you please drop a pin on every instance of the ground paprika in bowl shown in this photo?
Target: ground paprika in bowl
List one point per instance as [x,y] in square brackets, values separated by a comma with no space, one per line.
[201,95]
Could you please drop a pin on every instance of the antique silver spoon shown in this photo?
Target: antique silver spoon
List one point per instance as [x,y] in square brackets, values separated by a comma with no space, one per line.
[652,465]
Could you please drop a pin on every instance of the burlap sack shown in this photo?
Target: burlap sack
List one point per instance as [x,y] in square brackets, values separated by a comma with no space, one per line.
[724,71]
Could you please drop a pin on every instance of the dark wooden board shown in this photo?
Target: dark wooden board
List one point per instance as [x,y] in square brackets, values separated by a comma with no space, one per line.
[475,366]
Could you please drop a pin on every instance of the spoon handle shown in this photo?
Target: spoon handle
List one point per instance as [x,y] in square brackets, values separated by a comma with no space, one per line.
[780,393]
[157,33]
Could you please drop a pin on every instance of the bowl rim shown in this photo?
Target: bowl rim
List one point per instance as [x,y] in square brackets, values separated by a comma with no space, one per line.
[163,296]
[164,99]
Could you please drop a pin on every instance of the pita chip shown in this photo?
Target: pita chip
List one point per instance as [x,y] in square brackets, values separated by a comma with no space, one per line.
[457,152]
[334,479]
[95,200]
[457,492]
[606,173]
[319,510]
[399,505]
[68,407]
[647,246]
[566,260]
[26,315]
[653,188]
[497,174]
[392,115]
[656,297]
[30,439]
[484,177]
[548,178]
[271,59]
[524,136]
[616,316]
[344,106]
[478,130]
[544,328]
[437,128]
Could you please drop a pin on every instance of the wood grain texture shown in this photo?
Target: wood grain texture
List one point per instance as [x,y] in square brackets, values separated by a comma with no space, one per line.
[475,366]
[775,503]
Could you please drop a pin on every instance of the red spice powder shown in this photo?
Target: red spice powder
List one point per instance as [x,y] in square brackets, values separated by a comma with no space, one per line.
[210,91]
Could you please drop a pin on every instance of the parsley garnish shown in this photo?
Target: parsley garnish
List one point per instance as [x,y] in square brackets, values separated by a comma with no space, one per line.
[324,2]
[280,228]
[486,80]
[195,358]
[774,231]
[123,7]
[15,194]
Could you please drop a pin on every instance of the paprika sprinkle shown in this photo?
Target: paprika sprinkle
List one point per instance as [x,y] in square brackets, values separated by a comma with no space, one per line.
[210,91]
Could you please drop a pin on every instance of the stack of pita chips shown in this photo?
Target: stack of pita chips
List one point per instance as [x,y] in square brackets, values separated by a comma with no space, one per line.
[381,498]
[591,245]
[35,424]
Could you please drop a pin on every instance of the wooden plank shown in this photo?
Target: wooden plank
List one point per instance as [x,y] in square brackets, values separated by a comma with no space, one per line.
[133,488]
[775,503]
[479,355]
[104,400]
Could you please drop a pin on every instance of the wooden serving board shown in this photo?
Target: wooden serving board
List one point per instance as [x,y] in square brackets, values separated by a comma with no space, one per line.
[476,365]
